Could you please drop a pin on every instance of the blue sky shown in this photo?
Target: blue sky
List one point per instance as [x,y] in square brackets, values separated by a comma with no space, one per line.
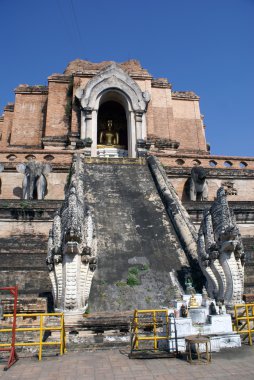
[201,45]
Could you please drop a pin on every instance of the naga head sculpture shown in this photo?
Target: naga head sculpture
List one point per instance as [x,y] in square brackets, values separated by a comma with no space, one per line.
[220,252]
[72,246]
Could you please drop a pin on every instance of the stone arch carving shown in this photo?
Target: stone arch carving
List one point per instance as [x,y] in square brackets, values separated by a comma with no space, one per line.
[113,79]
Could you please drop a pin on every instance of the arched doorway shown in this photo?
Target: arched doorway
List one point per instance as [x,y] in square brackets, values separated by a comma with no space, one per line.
[111,116]
[112,101]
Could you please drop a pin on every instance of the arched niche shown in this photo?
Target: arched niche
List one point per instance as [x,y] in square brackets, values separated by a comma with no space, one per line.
[113,85]
[112,115]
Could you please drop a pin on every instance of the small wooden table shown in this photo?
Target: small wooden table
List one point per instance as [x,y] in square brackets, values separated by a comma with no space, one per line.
[194,354]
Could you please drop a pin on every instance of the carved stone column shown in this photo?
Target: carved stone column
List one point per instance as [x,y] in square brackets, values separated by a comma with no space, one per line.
[88,122]
[139,119]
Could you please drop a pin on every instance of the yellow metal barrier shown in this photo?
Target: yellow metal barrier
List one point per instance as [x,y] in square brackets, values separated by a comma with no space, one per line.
[41,329]
[141,322]
[150,325]
[244,320]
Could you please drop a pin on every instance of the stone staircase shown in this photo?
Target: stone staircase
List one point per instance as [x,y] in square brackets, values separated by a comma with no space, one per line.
[139,254]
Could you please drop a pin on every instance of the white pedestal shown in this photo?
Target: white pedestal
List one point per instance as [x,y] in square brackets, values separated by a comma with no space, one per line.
[112,152]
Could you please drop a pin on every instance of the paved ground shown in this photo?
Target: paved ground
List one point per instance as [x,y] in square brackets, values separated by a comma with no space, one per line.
[115,364]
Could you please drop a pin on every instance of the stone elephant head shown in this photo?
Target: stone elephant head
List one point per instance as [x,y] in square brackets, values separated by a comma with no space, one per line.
[198,184]
[34,183]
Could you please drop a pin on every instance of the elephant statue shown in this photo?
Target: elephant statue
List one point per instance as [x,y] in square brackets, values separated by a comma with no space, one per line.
[198,184]
[34,183]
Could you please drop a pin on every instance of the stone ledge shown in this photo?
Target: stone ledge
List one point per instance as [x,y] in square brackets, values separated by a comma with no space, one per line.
[9,107]
[115,161]
[21,209]
[175,172]
[243,210]
[83,67]
[185,95]
[61,78]
[161,83]
[25,88]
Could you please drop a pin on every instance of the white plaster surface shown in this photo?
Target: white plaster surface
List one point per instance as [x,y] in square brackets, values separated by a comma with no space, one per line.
[198,315]
[217,327]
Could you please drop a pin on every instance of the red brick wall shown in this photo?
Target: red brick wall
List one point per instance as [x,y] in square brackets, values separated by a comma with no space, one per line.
[28,120]
[57,120]
[189,133]
[6,128]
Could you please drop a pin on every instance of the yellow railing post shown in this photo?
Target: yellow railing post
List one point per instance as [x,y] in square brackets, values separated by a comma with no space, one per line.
[62,336]
[246,317]
[248,324]
[149,318]
[41,337]
[136,328]
[154,330]
[167,326]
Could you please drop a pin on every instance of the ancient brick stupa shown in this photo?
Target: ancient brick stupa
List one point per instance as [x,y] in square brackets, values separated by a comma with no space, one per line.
[145,175]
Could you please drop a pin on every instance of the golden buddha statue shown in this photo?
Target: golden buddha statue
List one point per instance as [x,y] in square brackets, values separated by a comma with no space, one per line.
[193,301]
[109,137]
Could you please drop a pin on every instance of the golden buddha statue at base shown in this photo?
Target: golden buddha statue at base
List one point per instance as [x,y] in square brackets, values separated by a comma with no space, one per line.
[193,302]
[109,137]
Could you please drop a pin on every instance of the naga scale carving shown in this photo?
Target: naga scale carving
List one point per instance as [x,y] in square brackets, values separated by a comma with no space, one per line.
[71,257]
[220,251]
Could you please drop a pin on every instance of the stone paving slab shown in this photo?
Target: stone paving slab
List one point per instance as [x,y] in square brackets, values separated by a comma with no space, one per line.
[115,364]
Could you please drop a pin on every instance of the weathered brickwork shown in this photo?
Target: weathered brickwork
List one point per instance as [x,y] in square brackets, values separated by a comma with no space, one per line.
[48,116]
[163,125]
[24,228]
[57,112]
[45,125]
[7,125]
[29,117]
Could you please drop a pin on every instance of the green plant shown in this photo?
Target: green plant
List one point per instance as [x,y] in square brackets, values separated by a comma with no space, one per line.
[5,204]
[148,299]
[134,274]
[70,174]
[121,284]
[68,108]
[24,204]
[102,295]
[133,280]
[134,271]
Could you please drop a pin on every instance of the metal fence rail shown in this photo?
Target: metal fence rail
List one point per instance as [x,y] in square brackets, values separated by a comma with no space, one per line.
[40,329]
[13,357]
[244,320]
[151,326]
